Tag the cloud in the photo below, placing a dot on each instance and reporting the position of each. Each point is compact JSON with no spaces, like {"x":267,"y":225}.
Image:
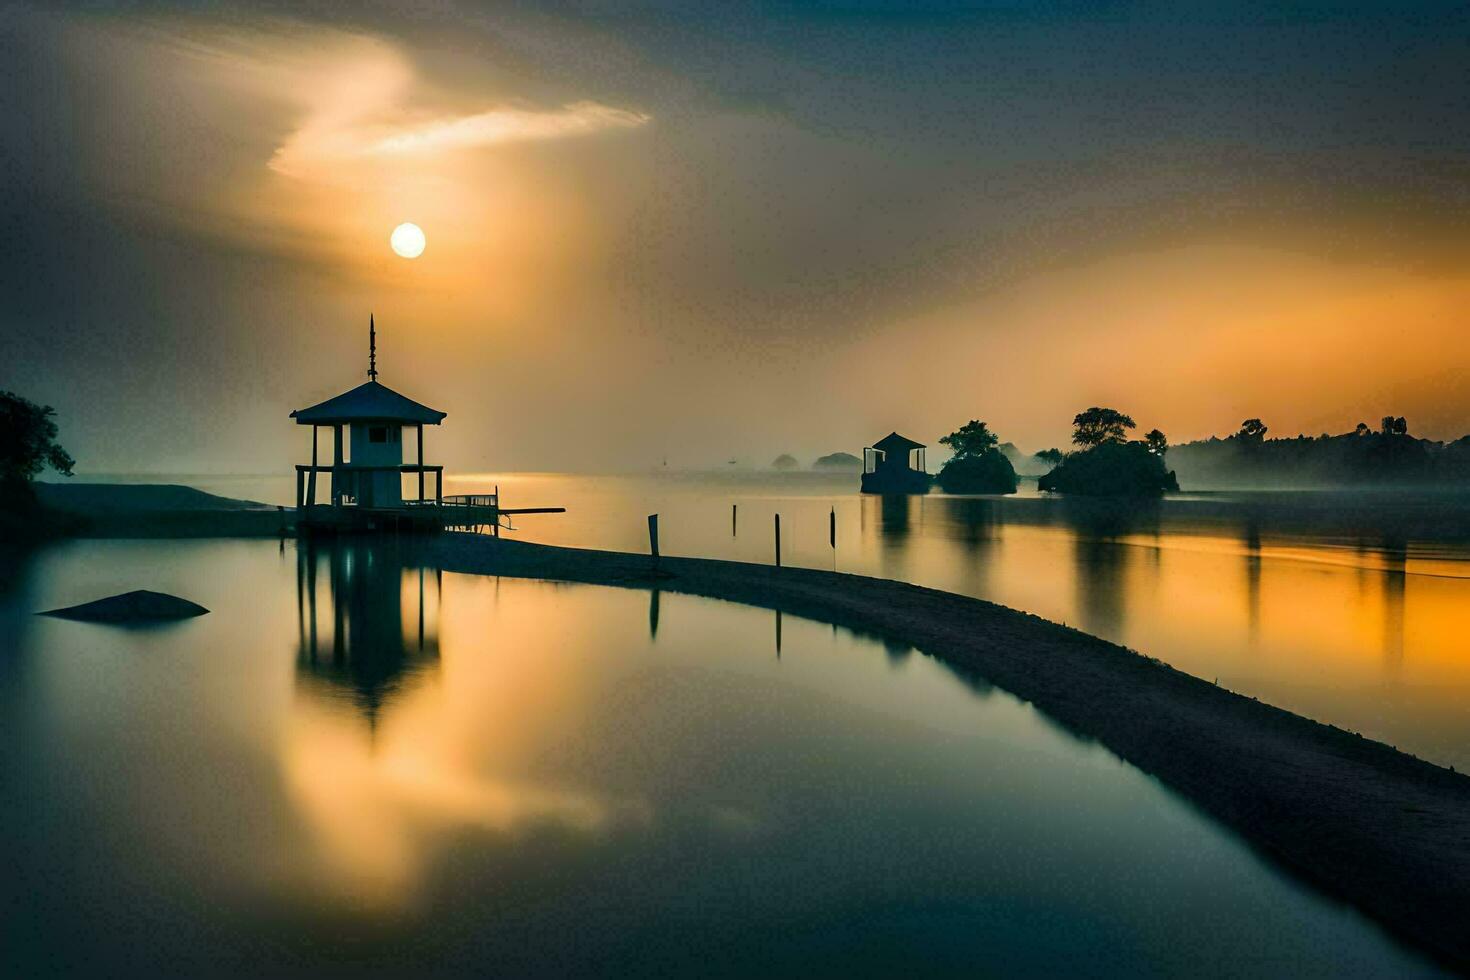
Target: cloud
{"x":508,"y":125}
{"x":371,"y":106}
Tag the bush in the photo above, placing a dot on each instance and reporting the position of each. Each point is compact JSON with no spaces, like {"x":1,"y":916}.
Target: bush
{"x":1113,"y":469}
{"x":989,"y":472}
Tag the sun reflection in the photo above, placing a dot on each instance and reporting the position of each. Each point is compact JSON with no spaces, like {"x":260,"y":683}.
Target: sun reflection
{"x":382,"y":759}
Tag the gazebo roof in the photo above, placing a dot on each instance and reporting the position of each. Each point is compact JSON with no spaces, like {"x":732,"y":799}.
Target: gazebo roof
{"x":895,"y":443}
{"x":370,"y":402}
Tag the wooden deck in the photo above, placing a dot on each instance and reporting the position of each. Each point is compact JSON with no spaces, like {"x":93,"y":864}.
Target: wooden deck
{"x":479,"y":512}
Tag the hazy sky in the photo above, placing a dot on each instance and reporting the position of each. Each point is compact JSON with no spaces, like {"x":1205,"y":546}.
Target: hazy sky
{"x":711,"y":230}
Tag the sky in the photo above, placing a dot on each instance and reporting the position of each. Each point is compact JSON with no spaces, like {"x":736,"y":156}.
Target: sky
{"x":697,"y":232}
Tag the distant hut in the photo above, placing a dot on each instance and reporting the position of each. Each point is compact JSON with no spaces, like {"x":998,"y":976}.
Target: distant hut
{"x":895,"y":464}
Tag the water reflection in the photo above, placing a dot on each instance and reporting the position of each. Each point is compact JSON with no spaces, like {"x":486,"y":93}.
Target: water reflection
{"x":545,"y":790}
{"x":1346,"y":607}
{"x":1251,"y":541}
{"x":1395,"y":552}
{"x":368,"y":651}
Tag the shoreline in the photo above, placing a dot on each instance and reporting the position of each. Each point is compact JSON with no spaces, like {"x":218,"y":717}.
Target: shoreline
{"x":1366,"y":824}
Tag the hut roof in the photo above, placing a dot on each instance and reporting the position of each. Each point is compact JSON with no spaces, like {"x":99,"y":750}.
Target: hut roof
{"x":895,"y":443}
{"x":370,"y":402}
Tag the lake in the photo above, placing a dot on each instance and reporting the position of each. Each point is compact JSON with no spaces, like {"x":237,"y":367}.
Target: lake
{"x":354,"y":766}
{"x":1344,"y":607}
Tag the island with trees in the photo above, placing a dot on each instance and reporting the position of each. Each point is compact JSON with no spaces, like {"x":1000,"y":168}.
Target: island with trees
{"x":1108,"y":463}
{"x":978,"y":465}
{"x":839,"y":462}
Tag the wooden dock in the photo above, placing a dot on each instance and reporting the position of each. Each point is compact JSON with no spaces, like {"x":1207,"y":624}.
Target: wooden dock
{"x":475,"y":512}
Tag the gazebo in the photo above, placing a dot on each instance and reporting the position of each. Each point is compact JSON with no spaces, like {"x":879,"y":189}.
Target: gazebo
{"x":895,"y":464}
{"x":367,"y":467}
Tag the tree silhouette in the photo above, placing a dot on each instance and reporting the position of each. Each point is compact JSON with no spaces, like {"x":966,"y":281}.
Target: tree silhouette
{"x":1052,"y":456}
{"x":1099,"y":425}
{"x":971,"y":440}
{"x":1391,"y":426}
{"x":28,"y":444}
{"x":1362,"y":429}
{"x":1157,"y":442}
{"x":1252,"y":430}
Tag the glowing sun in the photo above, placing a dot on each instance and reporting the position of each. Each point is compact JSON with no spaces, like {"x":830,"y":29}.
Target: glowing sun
{"x":408,"y":240}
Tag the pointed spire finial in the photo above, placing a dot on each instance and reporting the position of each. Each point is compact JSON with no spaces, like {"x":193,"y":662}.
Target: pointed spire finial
{"x":372,"y":349}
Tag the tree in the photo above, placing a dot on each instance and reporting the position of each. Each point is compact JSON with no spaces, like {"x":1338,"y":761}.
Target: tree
{"x":971,"y":441}
{"x":1391,"y":426}
{"x":28,"y":444}
{"x":1252,"y":430}
{"x":1157,"y":442}
{"x":1362,"y":429}
{"x":1111,"y":469}
{"x":1052,"y":456}
{"x":1099,"y":425}
{"x":989,"y":472}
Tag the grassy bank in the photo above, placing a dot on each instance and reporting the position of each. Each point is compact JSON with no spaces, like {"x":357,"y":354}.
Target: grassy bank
{"x":119,"y":510}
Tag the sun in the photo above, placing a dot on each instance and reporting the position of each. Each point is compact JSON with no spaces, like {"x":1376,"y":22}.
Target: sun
{"x":408,"y":240}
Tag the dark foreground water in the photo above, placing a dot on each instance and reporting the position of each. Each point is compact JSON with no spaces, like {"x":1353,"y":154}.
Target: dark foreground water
{"x":349,"y":767}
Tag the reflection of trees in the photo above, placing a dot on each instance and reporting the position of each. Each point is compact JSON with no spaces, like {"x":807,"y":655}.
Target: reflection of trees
{"x":1101,"y":569}
{"x":1251,"y":536}
{"x":1101,"y":558}
{"x":975,"y":524}
{"x":369,"y":653}
{"x":1395,"y":587}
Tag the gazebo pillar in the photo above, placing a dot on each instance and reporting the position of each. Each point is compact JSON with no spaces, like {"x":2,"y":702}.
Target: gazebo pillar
{"x":421,"y":461}
{"x":311,"y":479}
{"x":337,"y":464}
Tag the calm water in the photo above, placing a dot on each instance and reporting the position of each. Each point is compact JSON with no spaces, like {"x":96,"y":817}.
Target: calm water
{"x":354,"y":766}
{"x":1349,"y":608}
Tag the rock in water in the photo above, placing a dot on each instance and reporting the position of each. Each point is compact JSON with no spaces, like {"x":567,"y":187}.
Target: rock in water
{"x":131,"y":607}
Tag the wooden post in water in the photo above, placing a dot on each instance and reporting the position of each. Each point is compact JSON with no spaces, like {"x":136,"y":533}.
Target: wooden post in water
{"x":778,"y":540}
{"x":653,"y":538}
{"x":832,"y":535}
{"x":734,"y":514}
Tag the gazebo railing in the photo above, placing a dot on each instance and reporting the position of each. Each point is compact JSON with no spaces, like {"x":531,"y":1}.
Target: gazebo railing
{"x":345,"y":476}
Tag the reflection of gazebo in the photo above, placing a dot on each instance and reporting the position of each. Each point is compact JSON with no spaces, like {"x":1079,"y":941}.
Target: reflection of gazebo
{"x":369,"y":651}
{"x":895,"y":464}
